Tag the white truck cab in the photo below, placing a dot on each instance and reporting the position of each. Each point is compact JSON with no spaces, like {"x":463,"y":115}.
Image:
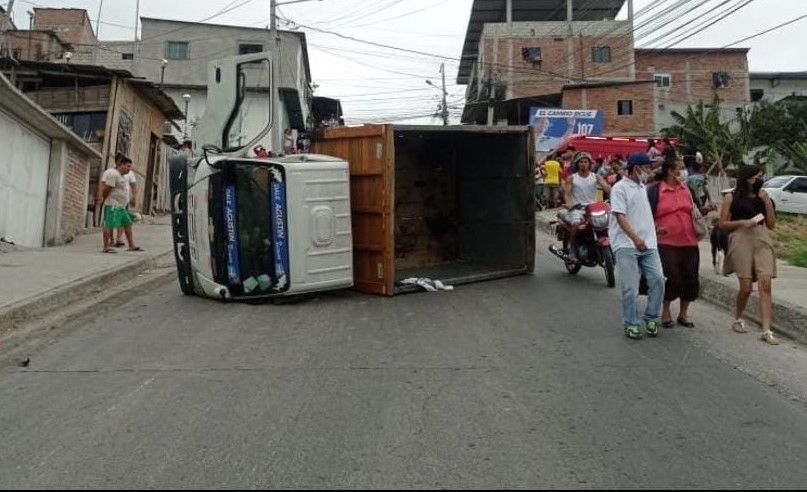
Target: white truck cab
{"x":247,"y":227}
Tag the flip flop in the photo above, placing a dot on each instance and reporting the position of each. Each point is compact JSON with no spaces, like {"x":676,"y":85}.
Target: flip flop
{"x":110,"y":250}
{"x":138,"y":248}
{"x":686,"y":323}
{"x":120,"y":244}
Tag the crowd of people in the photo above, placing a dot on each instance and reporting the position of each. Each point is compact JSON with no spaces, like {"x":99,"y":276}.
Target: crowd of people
{"x":659,"y":200}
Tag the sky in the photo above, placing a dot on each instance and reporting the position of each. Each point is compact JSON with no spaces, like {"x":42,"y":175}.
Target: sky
{"x":379,"y":84}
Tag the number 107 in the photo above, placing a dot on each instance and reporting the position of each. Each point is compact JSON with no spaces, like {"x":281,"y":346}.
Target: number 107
{"x":585,"y":128}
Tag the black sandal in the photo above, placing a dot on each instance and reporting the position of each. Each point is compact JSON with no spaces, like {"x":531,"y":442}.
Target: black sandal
{"x":685,"y":323}
{"x":668,"y":324}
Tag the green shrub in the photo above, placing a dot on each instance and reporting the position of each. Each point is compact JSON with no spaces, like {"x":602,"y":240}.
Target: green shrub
{"x":798,"y":256}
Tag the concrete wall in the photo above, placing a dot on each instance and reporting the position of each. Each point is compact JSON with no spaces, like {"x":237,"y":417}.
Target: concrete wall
{"x":775,"y":88}
{"x":46,"y":170}
{"x":206,"y":43}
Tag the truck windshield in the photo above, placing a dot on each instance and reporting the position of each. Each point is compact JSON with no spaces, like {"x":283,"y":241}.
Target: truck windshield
{"x":254,"y":219}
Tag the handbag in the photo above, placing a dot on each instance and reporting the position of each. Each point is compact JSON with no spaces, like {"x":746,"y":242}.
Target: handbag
{"x":699,"y":222}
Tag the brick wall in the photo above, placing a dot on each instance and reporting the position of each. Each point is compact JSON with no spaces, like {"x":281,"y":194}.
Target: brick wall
{"x":76,"y":192}
{"x":563,"y":57}
{"x":71,"y":25}
{"x":37,"y":45}
{"x":642,"y":121}
{"x":691,"y":74}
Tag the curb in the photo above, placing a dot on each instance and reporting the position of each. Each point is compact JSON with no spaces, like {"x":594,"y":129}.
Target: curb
{"x":788,"y":319}
{"x":39,"y":305}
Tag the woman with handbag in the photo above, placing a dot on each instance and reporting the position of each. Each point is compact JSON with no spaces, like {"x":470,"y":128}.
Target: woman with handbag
{"x":679,"y":226}
{"x":748,"y":214}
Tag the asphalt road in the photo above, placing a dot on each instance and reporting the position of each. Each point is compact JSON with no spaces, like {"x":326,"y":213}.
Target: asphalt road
{"x":521,"y":382}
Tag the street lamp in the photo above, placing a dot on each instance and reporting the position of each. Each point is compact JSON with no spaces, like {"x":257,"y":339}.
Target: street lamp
{"x":443,"y":105}
{"x":163,"y":64}
{"x":187,"y":98}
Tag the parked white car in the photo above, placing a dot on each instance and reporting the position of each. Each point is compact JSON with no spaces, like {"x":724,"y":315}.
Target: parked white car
{"x":788,"y":193}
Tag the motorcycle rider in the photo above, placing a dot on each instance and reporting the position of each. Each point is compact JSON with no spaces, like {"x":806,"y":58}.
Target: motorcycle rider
{"x":579,"y":189}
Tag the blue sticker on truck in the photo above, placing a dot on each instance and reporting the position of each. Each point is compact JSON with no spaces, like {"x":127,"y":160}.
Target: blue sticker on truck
{"x":231,"y":225}
{"x":280,"y":232}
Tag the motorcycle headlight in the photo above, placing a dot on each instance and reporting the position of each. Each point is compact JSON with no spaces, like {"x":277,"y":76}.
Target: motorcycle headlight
{"x":599,"y":220}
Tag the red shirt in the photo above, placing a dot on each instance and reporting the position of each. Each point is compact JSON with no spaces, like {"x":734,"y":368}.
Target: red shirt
{"x":674,"y":213}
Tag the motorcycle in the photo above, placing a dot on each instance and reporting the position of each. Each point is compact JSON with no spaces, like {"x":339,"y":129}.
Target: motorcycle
{"x":593,"y":246}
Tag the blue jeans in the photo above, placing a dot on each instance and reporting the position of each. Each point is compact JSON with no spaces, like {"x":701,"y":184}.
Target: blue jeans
{"x":629,"y":263}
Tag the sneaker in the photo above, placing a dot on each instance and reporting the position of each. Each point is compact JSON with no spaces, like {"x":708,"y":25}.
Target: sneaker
{"x":633,"y":332}
{"x":652,"y":328}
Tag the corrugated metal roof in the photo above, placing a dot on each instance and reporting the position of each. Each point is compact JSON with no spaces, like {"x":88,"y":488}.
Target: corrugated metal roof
{"x":493,"y":11}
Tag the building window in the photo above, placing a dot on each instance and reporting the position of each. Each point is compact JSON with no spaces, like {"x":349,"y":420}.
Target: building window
{"x":601,"y":54}
{"x":757,"y":95}
{"x":175,"y":50}
{"x":248,"y":49}
{"x":662,"y":80}
{"x":624,"y":107}
{"x":127,"y":56}
{"x":17,"y":54}
{"x":87,"y":126}
{"x":531,"y":55}
{"x":720,"y":80}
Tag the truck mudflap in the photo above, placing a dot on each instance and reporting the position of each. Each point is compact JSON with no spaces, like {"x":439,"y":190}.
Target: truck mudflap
{"x":178,"y":184}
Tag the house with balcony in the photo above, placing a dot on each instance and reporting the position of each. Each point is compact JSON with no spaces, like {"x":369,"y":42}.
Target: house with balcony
{"x":556,"y":54}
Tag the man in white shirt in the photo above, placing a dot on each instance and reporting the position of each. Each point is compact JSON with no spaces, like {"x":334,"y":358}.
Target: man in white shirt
{"x":632,"y":232}
{"x":114,"y":201}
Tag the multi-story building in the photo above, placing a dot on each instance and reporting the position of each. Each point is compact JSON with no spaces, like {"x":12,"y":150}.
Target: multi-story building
{"x":176,"y":54}
{"x":72,"y":26}
{"x":550,"y":53}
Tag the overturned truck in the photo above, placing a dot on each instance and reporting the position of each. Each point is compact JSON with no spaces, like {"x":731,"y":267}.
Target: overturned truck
{"x":450,"y":203}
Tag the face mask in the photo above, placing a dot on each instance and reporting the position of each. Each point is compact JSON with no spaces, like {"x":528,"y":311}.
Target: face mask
{"x":683,"y":175}
{"x":757,"y":185}
{"x":643,"y":176}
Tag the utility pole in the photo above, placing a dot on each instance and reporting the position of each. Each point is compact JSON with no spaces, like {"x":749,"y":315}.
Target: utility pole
{"x":274,"y":46}
{"x":277,"y":55}
{"x":30,"y":31}
{"x":445,"y":94}
{"x":444,"y":105}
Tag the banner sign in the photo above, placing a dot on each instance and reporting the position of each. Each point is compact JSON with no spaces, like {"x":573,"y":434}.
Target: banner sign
{"x":552,"y":126}
{"x":280,"y":233}
{"x":231,"y":223}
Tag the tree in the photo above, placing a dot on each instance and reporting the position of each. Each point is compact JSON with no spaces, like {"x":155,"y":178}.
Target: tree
{"x":722,"y":144}
{"x":783,"y":127}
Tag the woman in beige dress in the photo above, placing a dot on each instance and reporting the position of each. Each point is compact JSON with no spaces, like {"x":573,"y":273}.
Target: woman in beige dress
{"x":748,"y":214}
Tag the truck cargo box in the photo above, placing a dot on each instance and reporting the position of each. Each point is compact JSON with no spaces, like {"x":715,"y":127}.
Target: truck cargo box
{"x":450,"y":203}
